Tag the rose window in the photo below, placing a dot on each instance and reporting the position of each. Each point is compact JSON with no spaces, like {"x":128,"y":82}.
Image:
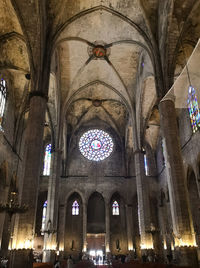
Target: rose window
{"x":96,"y":145}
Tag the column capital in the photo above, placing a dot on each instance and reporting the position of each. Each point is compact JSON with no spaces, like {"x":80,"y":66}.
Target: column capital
{"x":37,"y":93}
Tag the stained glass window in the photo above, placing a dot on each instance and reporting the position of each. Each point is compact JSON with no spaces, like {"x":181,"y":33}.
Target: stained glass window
{"x":44,"y":215}
{"x":193,"y":109}
{"x":162,"y":147}
{"x":145,"y":162}
{"x":115,"y":208}
{"x":75,"y":208}
{"x":47,"y":160}
{"x":96,"y":144}
{"x":3,"y":93}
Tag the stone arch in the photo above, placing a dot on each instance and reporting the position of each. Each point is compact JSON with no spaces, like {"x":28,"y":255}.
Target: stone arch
{"x":73,"y":238}
{"x":96,"y":213}
{"x":108,"y":10}
{"x":75,"y":190}
{"x":118,"y":227}
{"x":136,"y":231}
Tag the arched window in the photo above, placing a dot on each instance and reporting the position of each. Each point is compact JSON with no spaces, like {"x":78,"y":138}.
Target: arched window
{"x":75,"y":208}
{"x":145,"y":162}
{"x":162,"y":147}
{"x":115,"y":208}
{"x":193,"y":109}
{"x":44,"y":215}
{"x":3,"y":93}
{"x":47,"y":160}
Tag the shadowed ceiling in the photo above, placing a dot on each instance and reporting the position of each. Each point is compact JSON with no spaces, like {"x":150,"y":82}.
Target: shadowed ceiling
{"x":102,"y":55}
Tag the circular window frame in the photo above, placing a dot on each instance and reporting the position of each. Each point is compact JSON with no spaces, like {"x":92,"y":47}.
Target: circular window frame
{"x":93,"y":154}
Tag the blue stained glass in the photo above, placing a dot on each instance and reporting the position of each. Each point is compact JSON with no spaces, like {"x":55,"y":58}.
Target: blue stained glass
{"x":47,"y":160}
{"x":96,"y":144}
{"x":44,"y":215}
{"x":193,"y":109}
{"x":145,"y":164}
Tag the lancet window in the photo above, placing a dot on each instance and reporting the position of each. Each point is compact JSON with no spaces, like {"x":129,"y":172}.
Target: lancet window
{"x":115,"y":208}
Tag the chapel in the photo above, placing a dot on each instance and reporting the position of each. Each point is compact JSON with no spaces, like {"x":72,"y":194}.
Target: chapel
{"x":99,"y":130}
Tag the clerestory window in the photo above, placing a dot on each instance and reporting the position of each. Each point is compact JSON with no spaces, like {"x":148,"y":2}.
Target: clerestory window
{"x":44,"y":215}
{"x":115,"y":208}
{"x":193,"y":109}
{"x":47,"y":160}
{"x":75,"y":208}
{"x":3,"y":94}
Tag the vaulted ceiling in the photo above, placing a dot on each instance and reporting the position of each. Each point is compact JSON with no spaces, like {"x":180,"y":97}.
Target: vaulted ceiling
{"x":104,"y":55}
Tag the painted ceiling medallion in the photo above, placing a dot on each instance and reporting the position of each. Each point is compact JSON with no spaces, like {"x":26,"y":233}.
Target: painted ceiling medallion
{"x":96,"y":102}
{"x":99,"y":50}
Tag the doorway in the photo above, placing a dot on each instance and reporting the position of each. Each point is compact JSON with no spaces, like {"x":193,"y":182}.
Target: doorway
{"x":96,"y":247}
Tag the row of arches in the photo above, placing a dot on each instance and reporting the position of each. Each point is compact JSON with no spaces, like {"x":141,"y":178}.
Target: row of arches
{"x":96,"y":220}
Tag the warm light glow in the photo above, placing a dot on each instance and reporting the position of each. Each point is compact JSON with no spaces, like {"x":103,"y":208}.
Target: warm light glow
{"x":130,"y":246}
{"x":107,"y":248}
{"x":53,"y":247}
{"x":164,"y":243}
{"x":184,"y":243}
{"x":84,"y":248}
{"x":146,"y":246}
{"x":185,"y":240}
{"x":146,"y":241}
{"x":50,"y":247}
{"x":61,"y":248}
{"x":26,"y":244}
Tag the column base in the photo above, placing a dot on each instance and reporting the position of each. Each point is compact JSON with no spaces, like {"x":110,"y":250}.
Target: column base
{"x":186,"y":256}
{"x":49,"y":256}
{"x":21,"y":258}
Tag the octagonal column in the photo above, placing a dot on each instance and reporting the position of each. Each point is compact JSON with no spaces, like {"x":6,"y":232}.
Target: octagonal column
{"x":84,"y":227}
{"x":107,"y":237}
{"x":129,"y":222}
{"x":143,"y":202}
{"x":182,"y":228}
{"x":50,"y":239}
{"x":31,"y":164}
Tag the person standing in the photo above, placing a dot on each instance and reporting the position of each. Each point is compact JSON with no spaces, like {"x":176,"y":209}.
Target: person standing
{"x":70,"y":262}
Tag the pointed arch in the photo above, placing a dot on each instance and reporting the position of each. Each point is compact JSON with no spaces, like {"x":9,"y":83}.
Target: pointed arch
{"x":73,"y":223}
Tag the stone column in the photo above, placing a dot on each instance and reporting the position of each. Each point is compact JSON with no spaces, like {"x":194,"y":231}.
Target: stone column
{"x":31,"y":174}
{"x":50,"y":239}
{"x":61,"y":228}
{"x":129,"y":226}
{"x":107,"y":237}
{"x":143,"y":202}
{"x":84,"y":227}
{"x":182,"y":228}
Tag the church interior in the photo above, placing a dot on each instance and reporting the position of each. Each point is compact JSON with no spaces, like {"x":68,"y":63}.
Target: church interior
{"x":99,"y":130}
